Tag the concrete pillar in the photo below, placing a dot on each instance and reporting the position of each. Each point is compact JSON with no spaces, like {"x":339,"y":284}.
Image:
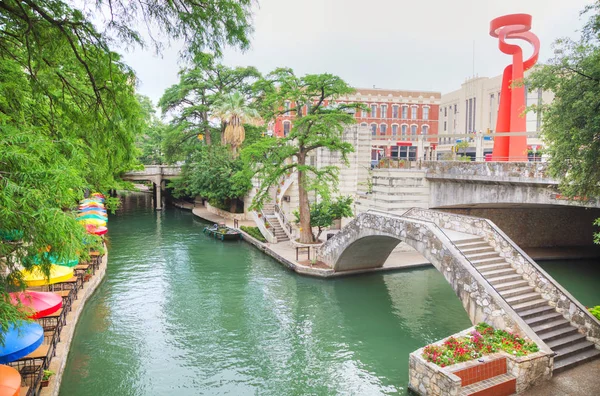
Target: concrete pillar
{"x":479,"y":147}
{"x":420,"y":148}
{"x":157,"y":195}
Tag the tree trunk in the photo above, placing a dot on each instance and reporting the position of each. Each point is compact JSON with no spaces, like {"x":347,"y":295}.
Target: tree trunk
{"x":233,"y":205}
{"x":207,"y":137}
{"x":306,"y":235}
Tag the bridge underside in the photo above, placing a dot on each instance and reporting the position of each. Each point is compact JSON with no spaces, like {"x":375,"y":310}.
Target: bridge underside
{"x":367,"y":252}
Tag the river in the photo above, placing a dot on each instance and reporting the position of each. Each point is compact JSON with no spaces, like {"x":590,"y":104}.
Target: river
{"x":180,"y":313}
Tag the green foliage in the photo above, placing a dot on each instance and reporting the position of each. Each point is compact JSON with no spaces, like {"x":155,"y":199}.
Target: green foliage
{"x":151,"y":139}
{"x":324,"y":212}
{"x":192,"y":100}
{"x":253,"y":232}
{"x":47,"y":375}
{"x":571,"y":123}
{"x":270,"y":159}
{"x":69,"y":116}
{"x":483,"y":340}
{"x":595,"y":311}
{"x":212,"y":173}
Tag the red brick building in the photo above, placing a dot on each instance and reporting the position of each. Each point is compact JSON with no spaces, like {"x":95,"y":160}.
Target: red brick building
{"x":395,"y":118}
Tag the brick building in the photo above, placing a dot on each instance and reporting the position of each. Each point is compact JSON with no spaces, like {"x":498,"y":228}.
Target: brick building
{"x":395,"y":119}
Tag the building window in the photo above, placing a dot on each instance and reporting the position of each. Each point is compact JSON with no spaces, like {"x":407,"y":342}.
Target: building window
{"x":424,"y":130}
{"x":286,"y":128}
{"x":404,"y":112}
{"x":413,"y":129}
{"x":413,"y":113}
{"x":373,"y":111}
{"x":394,"y":130}
{"x":364,"y":124}
{"x":383,"y":111}
{"x":382,"y":129}
{"x":425,"y":112}
{"x":445,"y":112}
{"x":286,"y":105}
{"x":445,"y":125}
{"x":395,"y":111}
{"x":373,"y":129}
{"x":404,"y":129}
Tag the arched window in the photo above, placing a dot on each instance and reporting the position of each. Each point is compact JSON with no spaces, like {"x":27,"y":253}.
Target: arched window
{"x":287,"y":127}
{"x":364,"y":124}
{"x":413,"y":129}
{"x":394,"y":130}
{"x":382,"y":129}
{"x":404,"y":129}
{"x":424,"y":129}
{"x":425,"y":112}
{"x":383,"y":111}
{"x":373,"y":111}
{"x":404,"y":112}
{"x":373,"y":129}
{"x":395,"y":111}
{"x":413,"y":113}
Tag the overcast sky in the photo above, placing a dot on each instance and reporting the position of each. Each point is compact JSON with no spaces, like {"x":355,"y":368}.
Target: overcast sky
{"x":397,"y":44}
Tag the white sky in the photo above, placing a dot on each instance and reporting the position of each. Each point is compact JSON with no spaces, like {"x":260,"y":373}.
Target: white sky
{"x":398,"y":44}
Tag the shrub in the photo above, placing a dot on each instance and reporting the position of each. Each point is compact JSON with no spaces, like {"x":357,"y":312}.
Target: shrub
{"x":483,"y":340}
{"x":595,"y":311}
{"x":253,"y":232}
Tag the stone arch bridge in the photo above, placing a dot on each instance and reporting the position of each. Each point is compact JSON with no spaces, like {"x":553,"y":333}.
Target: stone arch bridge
{"x":155,"y":174}
{"x":495,"y":280}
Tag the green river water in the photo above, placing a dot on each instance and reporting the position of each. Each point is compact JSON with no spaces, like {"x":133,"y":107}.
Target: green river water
{"x":180,"y":313}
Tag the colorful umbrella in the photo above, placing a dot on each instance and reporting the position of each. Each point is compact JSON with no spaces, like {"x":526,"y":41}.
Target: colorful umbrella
{"x":21,"y":341}
{"x":10,"y":381}
{"x":11,"y":235}
{"x":92,"y":209}
{"x":40,"y":304}
{"x":96,"y":222}
{"x":91,"y":216}
{"x":54,"y":260}
{"x":92,"y":229}
{"x":58,"y":273}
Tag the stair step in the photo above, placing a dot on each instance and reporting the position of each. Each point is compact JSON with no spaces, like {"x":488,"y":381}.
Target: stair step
{"x":536,"y":320}
{"x":523,"y":298}
{"x":535,"y":312}
{"x":471,"y":245}
{"x":511,"y":285}
{"x":495,"y":260}
{"x":575,"y":360}
{"x":478,"y":250}
{"x":496,"y":280}
{"x":481,"y":256}
{"x":492,"y":386}
{"x":569,"y":350}
{"x":558,"y":333}
{"x":516,"y":291}
{"x":500,"y":272}
{"x":466,"y":242}
{"x":490,"y":267}
{"x":530,"y":305}
{"x":564,"y":341}
{"x":550,"y":326}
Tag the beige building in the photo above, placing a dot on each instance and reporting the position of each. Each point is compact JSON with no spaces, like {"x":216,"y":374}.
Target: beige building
{"x":474,"y":108}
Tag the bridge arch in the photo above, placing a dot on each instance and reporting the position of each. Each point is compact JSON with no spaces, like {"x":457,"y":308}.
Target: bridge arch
{"x":369,"y":239}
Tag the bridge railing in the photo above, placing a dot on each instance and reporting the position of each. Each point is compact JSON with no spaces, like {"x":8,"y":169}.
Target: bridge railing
{"x":506,"y":306}
{"x":550,"y":289}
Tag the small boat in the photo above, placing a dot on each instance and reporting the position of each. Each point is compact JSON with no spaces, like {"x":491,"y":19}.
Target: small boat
{"x":222,"y":232}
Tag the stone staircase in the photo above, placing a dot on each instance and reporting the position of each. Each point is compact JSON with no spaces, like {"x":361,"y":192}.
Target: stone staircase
{"x":269,"y":212}
{"x":571,"y":347}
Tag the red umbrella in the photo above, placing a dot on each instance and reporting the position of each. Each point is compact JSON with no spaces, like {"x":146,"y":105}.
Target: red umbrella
{"x":92,"y":229}
{"x":40,"y":303}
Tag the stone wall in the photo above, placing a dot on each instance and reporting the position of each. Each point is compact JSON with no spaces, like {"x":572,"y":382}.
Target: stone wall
{"x":225,"y":214}
{"x":426,"y":378}
{"x":541,"y":227}
{"x":551,"y":290}
{"x":500,"y":171}
{"x":370,"y":238}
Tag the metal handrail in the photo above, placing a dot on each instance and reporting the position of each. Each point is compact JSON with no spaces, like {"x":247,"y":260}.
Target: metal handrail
{"x":286,"y":222}
{"x":266,"y":221}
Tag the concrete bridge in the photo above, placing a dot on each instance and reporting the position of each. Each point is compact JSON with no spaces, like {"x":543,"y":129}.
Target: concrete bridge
{"x":155,"y":174}
{"x":495,"y":280}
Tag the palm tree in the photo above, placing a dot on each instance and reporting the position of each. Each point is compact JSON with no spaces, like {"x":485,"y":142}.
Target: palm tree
{"x":234,"y":112}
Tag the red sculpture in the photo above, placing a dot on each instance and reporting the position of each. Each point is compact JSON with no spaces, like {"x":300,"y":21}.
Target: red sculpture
{"x":511,"y":117}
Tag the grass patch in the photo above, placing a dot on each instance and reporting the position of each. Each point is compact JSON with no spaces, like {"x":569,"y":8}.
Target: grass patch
{"x":253,"y":232}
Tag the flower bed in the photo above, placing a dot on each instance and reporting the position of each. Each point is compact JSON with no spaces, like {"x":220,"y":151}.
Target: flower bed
{"x":483,"y":340}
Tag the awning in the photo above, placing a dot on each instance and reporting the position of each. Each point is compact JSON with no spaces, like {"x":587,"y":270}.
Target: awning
{"x":58,"y":274}
{"x":10,"y":381}
{"x":404,"y":144}
{"x":21,"y":341}
{"x":39,"y":304}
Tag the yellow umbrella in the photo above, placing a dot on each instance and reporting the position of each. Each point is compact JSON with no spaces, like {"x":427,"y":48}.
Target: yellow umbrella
{"x":58,"y":273}
{"x":96,"y":222}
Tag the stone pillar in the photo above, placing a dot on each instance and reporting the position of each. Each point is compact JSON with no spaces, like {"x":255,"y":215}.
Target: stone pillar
{"x":420,"y":148}
{"x":479,"y":147}
{"x":157,"y":195}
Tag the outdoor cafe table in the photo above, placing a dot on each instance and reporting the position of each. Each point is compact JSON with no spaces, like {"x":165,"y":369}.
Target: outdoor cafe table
{"x":50,"y":322}
{"x":67,"y":296}
{"x":30,"y":367}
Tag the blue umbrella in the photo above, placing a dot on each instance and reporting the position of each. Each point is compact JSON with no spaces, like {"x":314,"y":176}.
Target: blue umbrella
{"x":21,"y":341}
{"x":92,"y":208}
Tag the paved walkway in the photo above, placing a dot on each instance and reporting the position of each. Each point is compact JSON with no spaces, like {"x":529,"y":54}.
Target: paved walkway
{"x":582,"y":380}
{"x":203,"y":213}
